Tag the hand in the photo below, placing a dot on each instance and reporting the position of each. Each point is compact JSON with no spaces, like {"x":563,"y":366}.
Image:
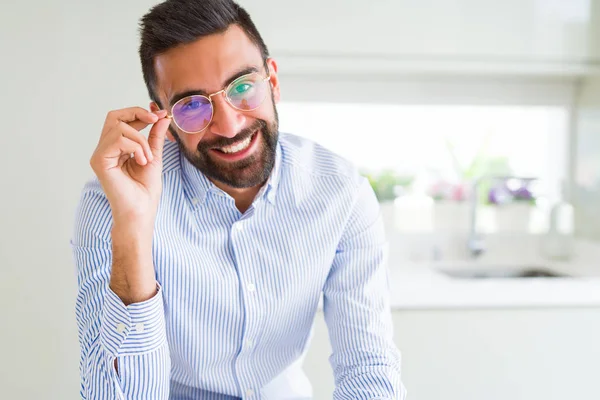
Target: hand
{"x":132,"y":185}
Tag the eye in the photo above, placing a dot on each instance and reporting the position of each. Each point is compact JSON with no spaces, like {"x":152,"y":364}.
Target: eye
{"x":242,"y":88}
{"x":191,"y":105}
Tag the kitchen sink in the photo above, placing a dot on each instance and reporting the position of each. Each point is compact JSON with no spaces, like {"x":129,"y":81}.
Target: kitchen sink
{"x":508,"y":273}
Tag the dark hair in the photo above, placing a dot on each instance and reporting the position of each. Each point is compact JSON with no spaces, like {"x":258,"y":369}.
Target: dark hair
{"x":176,"y":22}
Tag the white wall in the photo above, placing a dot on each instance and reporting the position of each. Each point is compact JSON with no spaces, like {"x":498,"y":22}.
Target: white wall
{"x":407,"y":35}
{"x":530,"y":29}
{"x":64,"y":65}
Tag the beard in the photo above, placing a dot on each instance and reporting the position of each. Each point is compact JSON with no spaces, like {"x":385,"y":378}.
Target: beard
{"x":249,"y":172}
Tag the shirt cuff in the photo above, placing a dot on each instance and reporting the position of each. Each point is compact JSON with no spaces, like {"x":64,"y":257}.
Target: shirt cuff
{"x":135,"y":329}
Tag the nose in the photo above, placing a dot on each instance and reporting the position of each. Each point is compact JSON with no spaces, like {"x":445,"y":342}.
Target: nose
{"x":227,"y":121}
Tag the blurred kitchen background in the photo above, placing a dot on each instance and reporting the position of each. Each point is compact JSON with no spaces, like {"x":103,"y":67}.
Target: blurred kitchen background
{"x":476,"y":121}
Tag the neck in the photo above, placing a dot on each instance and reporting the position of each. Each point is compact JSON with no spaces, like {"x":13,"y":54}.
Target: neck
{"x":243,"y":197}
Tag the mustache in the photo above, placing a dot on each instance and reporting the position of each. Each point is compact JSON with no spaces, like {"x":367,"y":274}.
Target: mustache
{"x":241,"y":135}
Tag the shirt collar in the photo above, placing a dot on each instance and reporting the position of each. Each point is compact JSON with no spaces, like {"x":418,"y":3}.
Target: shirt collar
{"x":270,"y":188}
{"x":197,"y":185}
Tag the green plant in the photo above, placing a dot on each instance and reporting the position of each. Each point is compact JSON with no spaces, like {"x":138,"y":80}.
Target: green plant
{"x":481,"y":166}
{"x":384,"y":183}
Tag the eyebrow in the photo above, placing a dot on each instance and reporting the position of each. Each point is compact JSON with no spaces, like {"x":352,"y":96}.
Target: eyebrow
{"x":178,"y":96}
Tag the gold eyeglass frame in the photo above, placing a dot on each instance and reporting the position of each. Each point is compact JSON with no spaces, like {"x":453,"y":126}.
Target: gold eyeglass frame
{"x":227,"y":99}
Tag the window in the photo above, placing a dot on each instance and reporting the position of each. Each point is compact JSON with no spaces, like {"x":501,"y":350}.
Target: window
{"x":420,"y":147}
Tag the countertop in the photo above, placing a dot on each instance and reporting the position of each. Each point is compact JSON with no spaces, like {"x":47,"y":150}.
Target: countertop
{"x":421,"y":286}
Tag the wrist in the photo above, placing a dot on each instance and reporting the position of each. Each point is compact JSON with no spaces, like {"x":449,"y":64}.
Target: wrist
{"x":133,"y":231}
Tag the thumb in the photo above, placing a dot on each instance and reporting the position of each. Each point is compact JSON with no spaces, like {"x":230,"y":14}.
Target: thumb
{"x":156,"y":137}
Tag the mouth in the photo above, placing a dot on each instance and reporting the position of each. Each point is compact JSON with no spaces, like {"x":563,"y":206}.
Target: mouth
{"x":238,"y":150}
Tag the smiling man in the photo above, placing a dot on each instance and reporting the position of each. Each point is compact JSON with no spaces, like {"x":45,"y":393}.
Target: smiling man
{"x":202,"y":258}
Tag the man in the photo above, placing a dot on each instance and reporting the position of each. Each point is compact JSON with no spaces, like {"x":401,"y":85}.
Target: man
{"x":202,"y":259}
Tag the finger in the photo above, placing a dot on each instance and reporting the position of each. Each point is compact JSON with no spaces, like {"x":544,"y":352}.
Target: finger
{"x":130,"y":132}
{"x":123,"y":158}
{"x":139,"y":125}
{"x":132,"y":114}
{"x":109,"y":155}
{"x":156,"y":137}
{"x":128,"y":146}
{"x":137,"y":115}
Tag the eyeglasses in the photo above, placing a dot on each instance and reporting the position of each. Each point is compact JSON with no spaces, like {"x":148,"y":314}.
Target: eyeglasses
{"x":194,"y":113}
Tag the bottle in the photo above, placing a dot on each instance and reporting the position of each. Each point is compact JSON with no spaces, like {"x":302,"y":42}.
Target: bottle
{"x":413,"y":211}
{"x":558,"y":241}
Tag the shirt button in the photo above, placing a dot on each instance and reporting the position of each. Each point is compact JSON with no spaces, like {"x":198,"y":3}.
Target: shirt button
{"x":249,"y":392}
{"x":139,"y":327}
{"x":121,"y":328}
{"x":239,"y":227}
{"x":249,"y":344}
{"x":195,"y":201}
{"x":251,"y":287}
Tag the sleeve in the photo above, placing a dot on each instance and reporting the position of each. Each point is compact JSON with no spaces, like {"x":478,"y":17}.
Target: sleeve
{"x":133,"y":335}
{"x":365,"y":360}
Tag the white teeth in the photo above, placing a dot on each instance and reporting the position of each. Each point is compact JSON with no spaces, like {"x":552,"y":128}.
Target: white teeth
{"x":237,"y":147}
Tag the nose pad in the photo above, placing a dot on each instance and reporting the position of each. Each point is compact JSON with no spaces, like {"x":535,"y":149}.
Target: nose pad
{"x":227,"y":121}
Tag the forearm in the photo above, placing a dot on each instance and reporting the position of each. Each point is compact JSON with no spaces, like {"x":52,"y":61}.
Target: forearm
{"x":144,"y":376}
{"x":365,"y":360}
{"x":135,"y":338}
{"x":132,"y":275}
{"x":127,"y":331}
{"x":111,"y":334}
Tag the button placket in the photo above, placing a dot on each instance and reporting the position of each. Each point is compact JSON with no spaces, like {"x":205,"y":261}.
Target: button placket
{"x":250,"y":290}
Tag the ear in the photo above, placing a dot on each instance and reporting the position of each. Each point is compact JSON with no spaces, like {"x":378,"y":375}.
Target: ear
{"x":154,"y":107}
{"x":272,"y":64}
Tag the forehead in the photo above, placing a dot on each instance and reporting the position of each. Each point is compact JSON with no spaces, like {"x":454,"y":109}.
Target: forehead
{"x":206,"y":63}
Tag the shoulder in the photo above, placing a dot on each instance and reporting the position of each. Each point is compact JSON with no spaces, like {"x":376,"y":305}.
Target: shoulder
{"x":171,"y":157}
{"x":307,"y":157}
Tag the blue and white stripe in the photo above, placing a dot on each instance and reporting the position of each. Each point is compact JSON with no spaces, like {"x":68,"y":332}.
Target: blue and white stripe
{"x":237,"y":294}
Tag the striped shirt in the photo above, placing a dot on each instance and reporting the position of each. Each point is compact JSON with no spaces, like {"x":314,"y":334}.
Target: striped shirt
{"x":237,"y":294}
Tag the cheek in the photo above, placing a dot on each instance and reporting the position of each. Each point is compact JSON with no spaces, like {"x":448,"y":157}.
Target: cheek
{"x":190,"y":141}
{"x":265,"y":112}
{"x":193,"y":140}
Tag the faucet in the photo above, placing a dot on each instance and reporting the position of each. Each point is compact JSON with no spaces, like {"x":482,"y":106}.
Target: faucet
{"x":475,"y":242}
